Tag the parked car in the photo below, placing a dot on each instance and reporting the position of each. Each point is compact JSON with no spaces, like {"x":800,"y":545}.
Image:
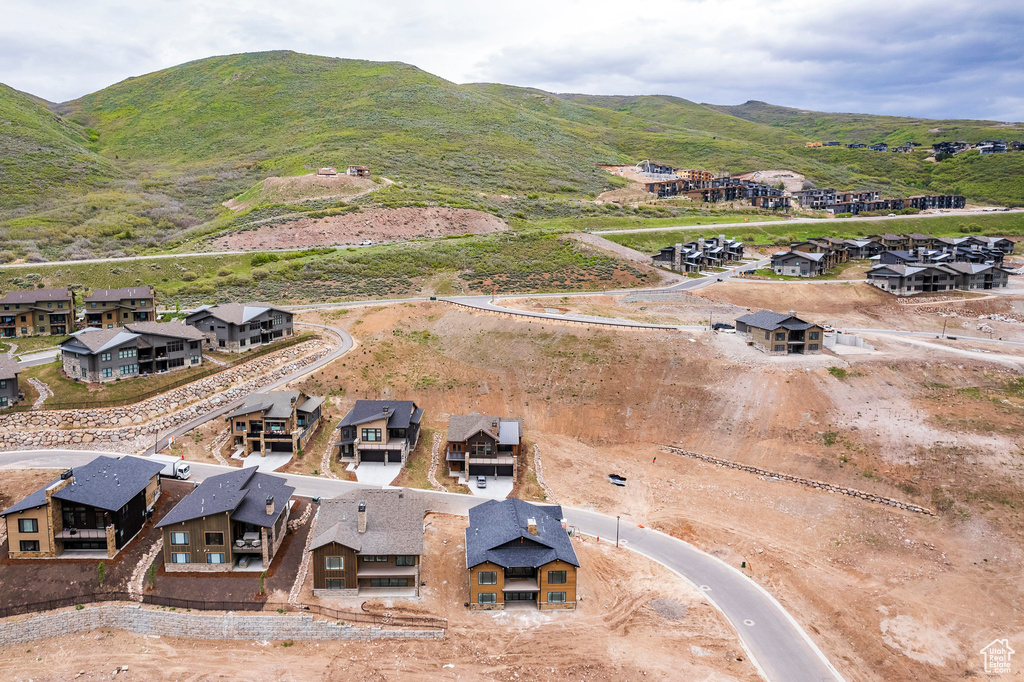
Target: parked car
{"x":481,"y":481}
{"x":722,"y":325}
{"x":366,"y":242}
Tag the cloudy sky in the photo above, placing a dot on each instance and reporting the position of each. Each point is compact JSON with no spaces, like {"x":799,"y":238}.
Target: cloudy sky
{"x":935,"y":58}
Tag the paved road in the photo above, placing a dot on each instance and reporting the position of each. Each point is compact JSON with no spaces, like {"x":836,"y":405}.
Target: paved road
{"x":776,"y":644}
{"x":41,"y":358}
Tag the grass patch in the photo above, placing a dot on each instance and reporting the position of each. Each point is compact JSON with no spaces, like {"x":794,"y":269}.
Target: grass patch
{"x":414,"y":473}
{"x":837,"y":372}
{"x":31,"y":344}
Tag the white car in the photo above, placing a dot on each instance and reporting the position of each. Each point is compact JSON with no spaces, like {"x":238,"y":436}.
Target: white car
{"x":366,"y":242}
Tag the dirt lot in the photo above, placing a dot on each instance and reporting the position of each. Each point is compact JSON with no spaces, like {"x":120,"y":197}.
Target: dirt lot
{"x":375,"y":224}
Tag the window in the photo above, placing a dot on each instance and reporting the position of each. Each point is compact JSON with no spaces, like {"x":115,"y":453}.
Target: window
{"x":335,"y":584}
{"x":28,"y":525}
{"x":108,"y":372}
{"x":215,"y":558}
{"x":253,"y":340}
{"x":127,"y":353}
{"x":368,"y":559}
{"x":767,"y":336}
{"x":179,"y":538}
{"x":371,"y":435}
{"x":780,"y":349}
{"x":221,"y":343}
{"x":176,"y":362}
{"x":129,"y":369}
{"x":104,"y":357}
{"x":556,"y":577}
{"x":3,"y":384}
{"x":3,"y":401}
{"x":812,"y":346}
{"x":179,"y":558}
{"x":241,"y":342}
{"x":780,"y":336}
{"x":556,"y":597}
{"x":487,"y":578}
{"x":814,"y":336}
{"x":29,"y":545}
{"x":389,"y":582}
{"x":176,"y":346}
{"x":334,"y":563}
{"x":193,"y":345}
{"x":487,"y":598}
{"x":406,"y":560}
{"x":215,"y":538}
{"x":195,"y":359}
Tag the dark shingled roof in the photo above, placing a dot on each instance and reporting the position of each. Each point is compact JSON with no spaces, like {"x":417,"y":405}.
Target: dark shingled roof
{"x":243,"y":493}
{"x":9,"y":367}
{"x":766,"y":319}
{"x":401,"y":413}
{"x":394,"y":522}
{"x":110,"y":295}
{"x":236,"y":313}
{"x":106,"y":482}
{"x":36,"y":295}
{"x":177,"y":330}
{"x":498,"y":533}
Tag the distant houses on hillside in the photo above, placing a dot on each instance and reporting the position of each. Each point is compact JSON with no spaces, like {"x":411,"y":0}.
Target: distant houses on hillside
{"x":699,"y":255}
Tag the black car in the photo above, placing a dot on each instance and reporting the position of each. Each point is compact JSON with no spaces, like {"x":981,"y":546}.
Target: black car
{"x":722,"y":325}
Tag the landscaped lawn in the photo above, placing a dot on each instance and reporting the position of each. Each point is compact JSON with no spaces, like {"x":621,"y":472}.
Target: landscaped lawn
{"x":29,"y":344}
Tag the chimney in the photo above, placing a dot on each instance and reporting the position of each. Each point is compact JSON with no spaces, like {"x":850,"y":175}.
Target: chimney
{"x":531,"y":526}
{"x":494,"y":423}
{"x":270,"y":505}
{"x":792,"y":313}
{"x":362,"y":516}
{"x":386,"y":410}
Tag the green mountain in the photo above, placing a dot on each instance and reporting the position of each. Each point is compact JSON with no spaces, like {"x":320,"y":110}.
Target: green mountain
{"x":133,"y":166}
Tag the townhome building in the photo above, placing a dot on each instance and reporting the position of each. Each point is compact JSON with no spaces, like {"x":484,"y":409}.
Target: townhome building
{"x":906,"y":280}
{"x":10,"y":391}
{"x":368,"y":543}
{"x":237,"y":327}
{"x":136,"y":349}
{"x":230,"y":522}
{"x":799,"y":263}
{"x":89,"y":511}
{"x":520,"y":552}
{"x":37,"y":312}
{"x":379,"y":431}
{"x":482,"y":445}
{"x":109,"y":308}
{"x":275,"y":421}
{"x":781,"y":333}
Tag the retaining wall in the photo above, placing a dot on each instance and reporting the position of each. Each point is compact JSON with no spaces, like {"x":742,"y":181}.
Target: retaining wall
{"x":145,"y":621}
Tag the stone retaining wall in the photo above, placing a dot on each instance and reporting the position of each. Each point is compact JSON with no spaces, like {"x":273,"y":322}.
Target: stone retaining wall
{"x":820,"y":485}
{"x":146,"y":621}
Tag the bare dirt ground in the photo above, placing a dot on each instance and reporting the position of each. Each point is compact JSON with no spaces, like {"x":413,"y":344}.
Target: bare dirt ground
{"x":375,"y":224}
{"x":300,"y":187}
{"x":793,"y":181}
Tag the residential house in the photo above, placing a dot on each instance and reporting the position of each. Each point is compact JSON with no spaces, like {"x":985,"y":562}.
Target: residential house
{"x":368,"y":542}
{"x":94,"y":509}
{"x":880,"y":147}
{"x":327,"y":171}
{"x":109,"y":308}
{"x":231,"y":521}
{"x":906,"y":280}
{"x":834,"y":252}
{"x":237,"y":327}
{"x":679,"y":257}
{"x":799,"y":263}
{"x":917,"y":240}
{"x":276,"y":421}
{"x":519,"y":552}
{"x":37,"y":311}
{"x":10,"y":393}
{"x":897,"y":258}
{"x":859,"y":249}
{"x":359,"y":171}
{"x":971,"y":276}
{"x":139,"y":348}
{"x":379,"y":431}
{"x":482,"y":445}
{"x":892,"y":242}
{"x":781,"y":333}
{"x":936,"y":201}
{"x":817,"y":199}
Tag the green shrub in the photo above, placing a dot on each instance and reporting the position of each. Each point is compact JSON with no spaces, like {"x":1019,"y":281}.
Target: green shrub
{"x":837,"y":372}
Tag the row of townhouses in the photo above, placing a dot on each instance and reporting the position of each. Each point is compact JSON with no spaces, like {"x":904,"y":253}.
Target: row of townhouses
{"x":827,"y":199}
{"x":699,"y":255}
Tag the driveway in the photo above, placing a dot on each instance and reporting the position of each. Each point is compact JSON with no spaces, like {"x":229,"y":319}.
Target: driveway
{"x":377,"y":474}
{"x":498,"y":487}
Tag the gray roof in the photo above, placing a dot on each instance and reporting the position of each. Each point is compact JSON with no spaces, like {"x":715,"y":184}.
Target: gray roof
{"x":461,"y":427}
{"x":766,"y":319}
{"x":97,"y":340}
{"x":783,"y":255}
{"x":9,"y":367}
{"x":401,"y":413}
{"x":242,"y":493}
{"x":36,"y":295}
{"x":498,"y":532}
{"x":237,"y":313}
{"x":276,"y":404}
{"x":109,"y":295}
{"x":905,"y":255}
{"x":394,"y":522}
{"x":106,"y":482}
{"x":178,"y":330}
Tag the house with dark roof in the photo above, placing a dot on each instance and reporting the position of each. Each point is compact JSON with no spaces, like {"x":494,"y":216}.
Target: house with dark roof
{"x":10,"y":392}
{"x":237,"y":327}
{"x":908,"y":280}
{"x":368,"y":542}
{"x":482,"y":445}
{"x":109,"y":308}
{"x":519,"y":552}
{"x":37,"y":311}
{"x":799,"y":263}
{"x":781,"y":333}
{"x":89,"y":511}
{"x":231,"y":521}
{"x":897,"y":258}
{"x":136,"y":349}
{"x":379,"y":431}
{"x":275,"y":421}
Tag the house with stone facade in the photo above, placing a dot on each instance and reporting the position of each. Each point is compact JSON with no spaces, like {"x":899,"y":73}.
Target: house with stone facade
{"x":89,"y":511}
{"x":109,"y":308}
{"x":781,"y":333}
{"x":368,"y":542}
{"x":232,"y":521}
{"x":519,"y":552}
{"x":136,"y":349}
{"x":275,"y":421}
{"x":37,"y":312}
{"x":379,"y":431}
{"x":10,"y":392}
{"x":238,"y":327}
{"x":482,"y":445}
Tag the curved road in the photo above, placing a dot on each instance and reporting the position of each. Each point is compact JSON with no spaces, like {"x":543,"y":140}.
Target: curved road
{"x":775,"y":643}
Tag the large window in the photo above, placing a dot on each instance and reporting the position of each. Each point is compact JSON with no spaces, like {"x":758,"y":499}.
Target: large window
{"x":556,"y":597}
{"x":371,"y":435}
{"x":176,"y":362}
{"x":389,"y":582}
{"x":215,"y":558}
{"x":335,"y":584}
{"x":780,"y":349}
{"x":28,"y":525}
{"x":215,"y":538}
{"x":814,"y":336}
{"x":487,"y":598}
{"x":556,"y":577}
{"x":29,"y":545}
{"x":812,"y":346}
{"x":179,"y":538}
{"x":179,"y":558}
{"x":405,"y":560}
{"x":334,"y":563}
{"x":780,"y":336}
{"x":487,"y":578}
{"x":368,"y":559}
{"x":104,"y":357}
{"x":108,"y":372}
{"x":127,"y":353}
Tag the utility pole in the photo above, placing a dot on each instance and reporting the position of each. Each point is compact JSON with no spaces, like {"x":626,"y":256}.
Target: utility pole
{"x":944,"y":327}
{"x":616,"y":532}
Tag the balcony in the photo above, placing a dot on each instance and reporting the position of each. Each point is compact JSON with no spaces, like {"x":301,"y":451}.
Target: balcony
{"x":520,"y":585}
{"x":499,"y":459}
{"x":369,"y":570}
{"x":455,"y":456}
{"x":81,"y":534}
{"x":392,"y":444}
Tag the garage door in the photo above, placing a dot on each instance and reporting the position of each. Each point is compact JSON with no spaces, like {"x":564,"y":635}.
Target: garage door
{"x":481,"y":469}
{"x":281,"y":446}
{"x":505,"y":470}
{"x":372,"y":456}
{"x":394,"y":455}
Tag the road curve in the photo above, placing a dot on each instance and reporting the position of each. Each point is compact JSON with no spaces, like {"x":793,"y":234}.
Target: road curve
{"x":776,"y":644}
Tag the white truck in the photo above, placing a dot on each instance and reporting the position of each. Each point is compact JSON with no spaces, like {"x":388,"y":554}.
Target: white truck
{"x":174,"y":467}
